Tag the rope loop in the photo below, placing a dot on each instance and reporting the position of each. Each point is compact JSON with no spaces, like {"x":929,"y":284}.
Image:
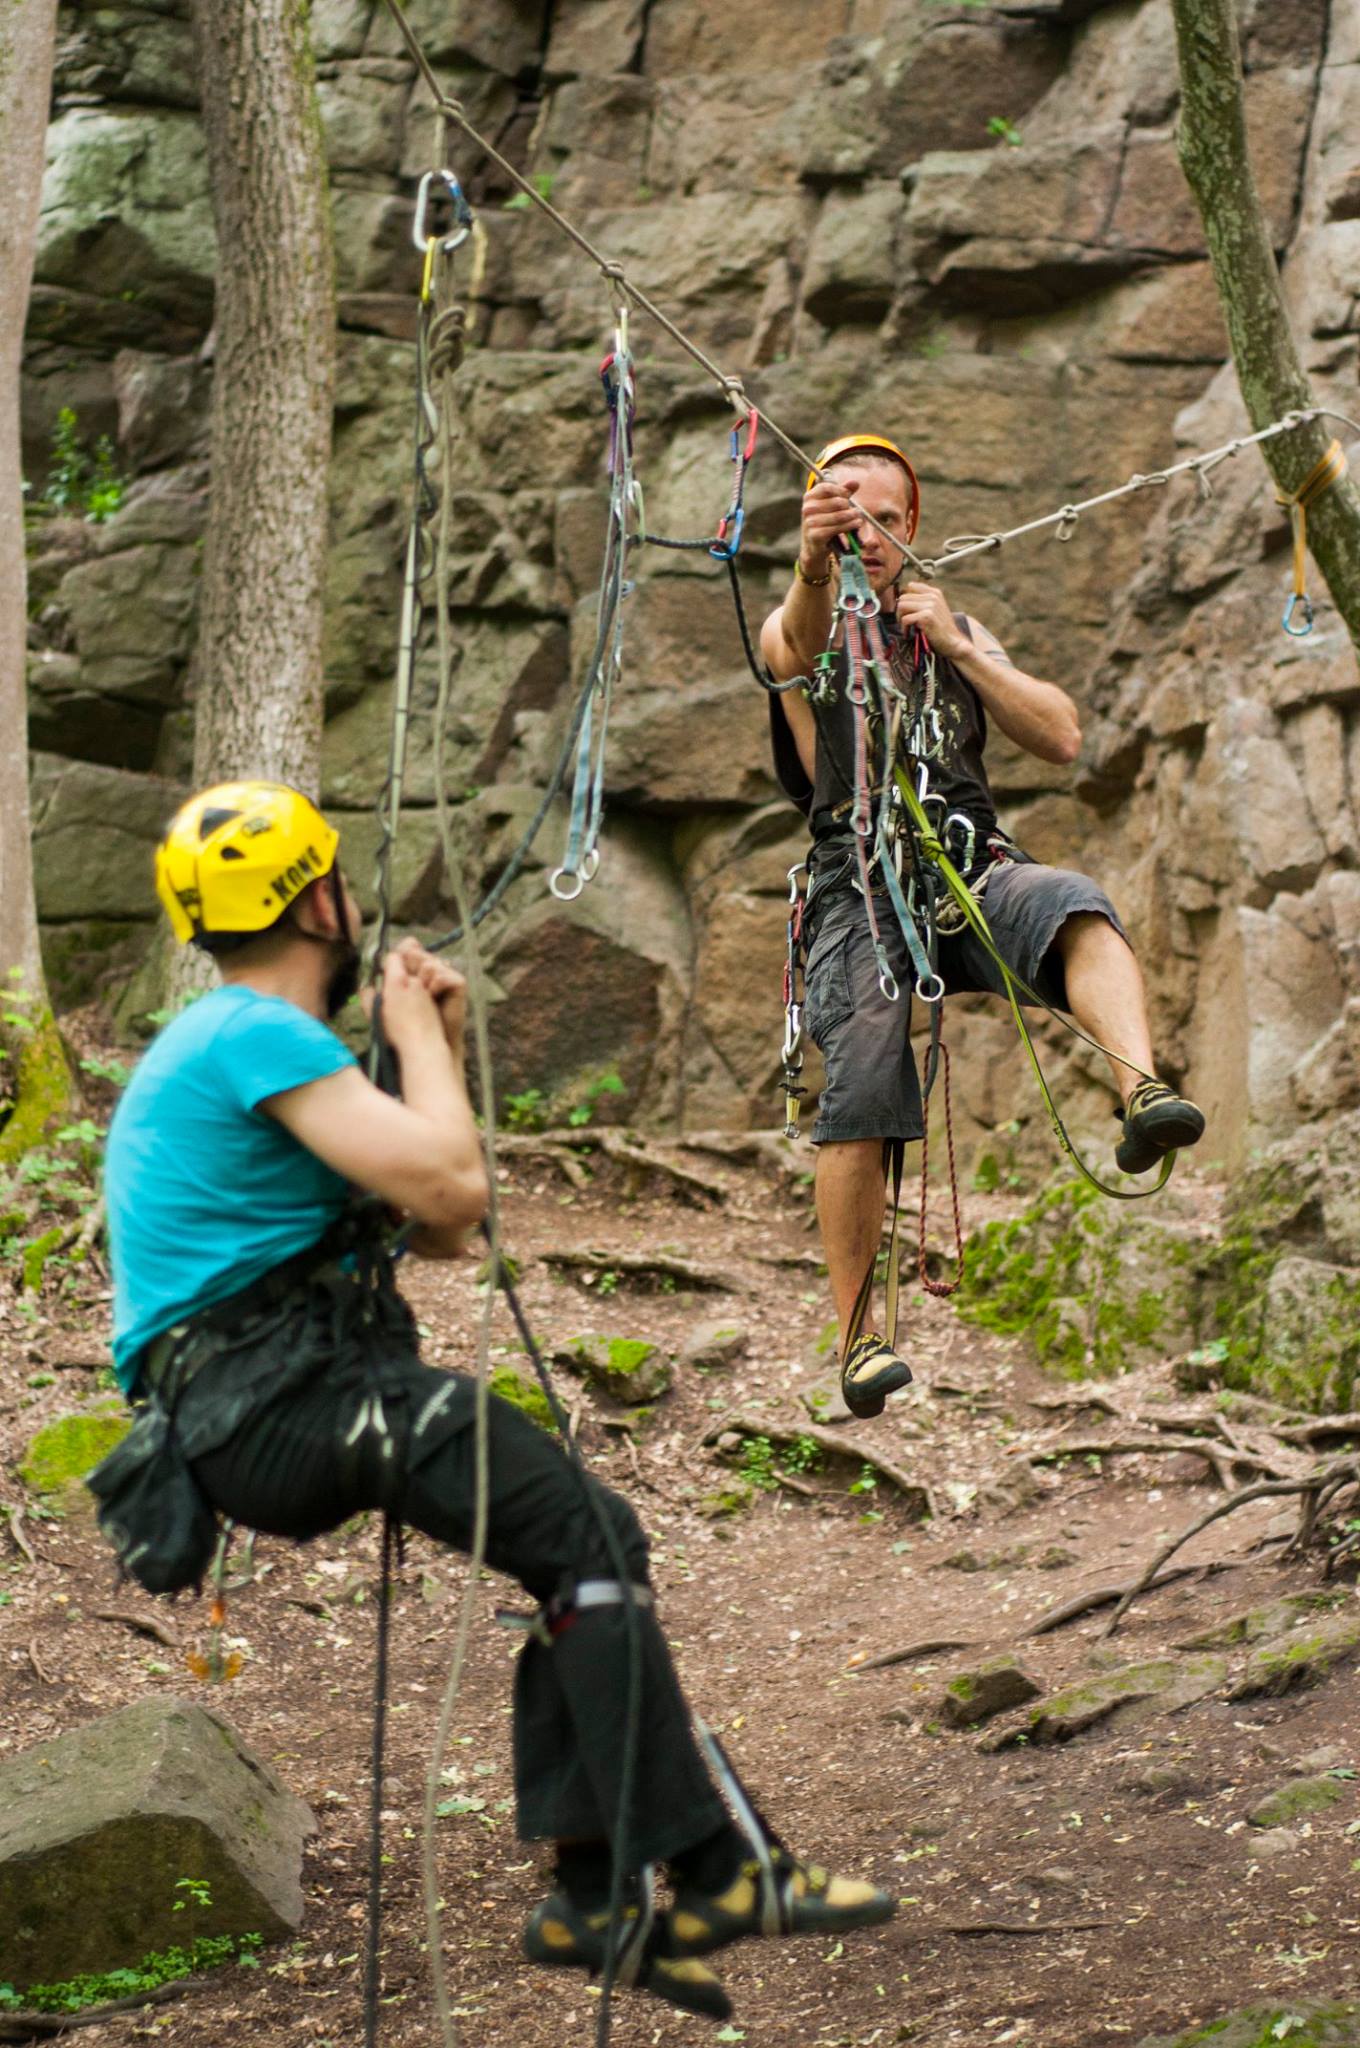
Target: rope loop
{"x":1067,"y":522}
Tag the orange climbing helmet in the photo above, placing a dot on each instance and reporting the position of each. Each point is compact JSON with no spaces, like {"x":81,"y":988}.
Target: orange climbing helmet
{"x":873,"y":444}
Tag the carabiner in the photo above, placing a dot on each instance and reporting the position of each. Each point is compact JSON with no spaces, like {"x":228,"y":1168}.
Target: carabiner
{"x":462,"y":212}
{"x":1298,"y":632}
{"x":724,"y":549}
{"x":791,"y":878}
{"x":793,"y":1033}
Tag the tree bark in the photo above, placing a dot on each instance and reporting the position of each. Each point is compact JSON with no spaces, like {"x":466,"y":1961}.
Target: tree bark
{"x":1212,"y":143}
{"x":258,"y":664}
{"x":33,"y":1078}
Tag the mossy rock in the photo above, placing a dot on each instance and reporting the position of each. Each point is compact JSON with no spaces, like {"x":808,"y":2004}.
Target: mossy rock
{"x":1302,"y":1658}
{"x":65,"y":1449}
{"x":525,"y":1394}
{"x":1295,"y":1801}
{"x":972,"y":1697}
{"x":733,"y":1499}
{"x":629,"y":1369}
{"x":1095,"y":1291}
{"x":1126,"y":1697}
{"x":1270,"y":2026}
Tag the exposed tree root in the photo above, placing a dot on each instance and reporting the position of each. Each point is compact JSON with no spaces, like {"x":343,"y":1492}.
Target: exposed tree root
{"x":1314,"y":1490}
{"x":653,"y":1266}
{"x":36,"y":2026}
{"x":562,"y":1148}
{"x":1104,"y":1596}
{"x":914,"y":1491}
{"x":964,"y":1928}
{"x":140,"y":1624}
{"x":929,"y":1646}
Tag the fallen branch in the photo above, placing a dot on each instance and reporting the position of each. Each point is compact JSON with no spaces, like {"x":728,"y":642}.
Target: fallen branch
{"x":140,"y":1624}
{"x":1318,"y":1428}
{"x":833,"y":1440}
{"x":39,"y":1667}
{"x":930,"y":1646}
{"x":643,"y":1266}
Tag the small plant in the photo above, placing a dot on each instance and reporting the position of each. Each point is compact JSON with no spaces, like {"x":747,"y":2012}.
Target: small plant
{"x":527,"y":1111}
{"x":867,"y":1481}
{"x":757,"y":1463}
{"x":107,"y":1070}
{"x":80,"y":479}
{"x":604,"y":1084}
{"x":804,"y":1454}
{"x":608,"y":1282}
{"x":1004,"y":130}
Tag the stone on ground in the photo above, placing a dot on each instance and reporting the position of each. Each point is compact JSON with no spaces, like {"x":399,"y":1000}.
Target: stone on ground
{"x":1302,"y":1657}
{"x":1301,"y":1796}
{"x":98,"y":1826}
{"x":974,"y":1696}
{"x":714,"y":1344}
{"x":629,"y":1369}
{"x":1127,"y":1697}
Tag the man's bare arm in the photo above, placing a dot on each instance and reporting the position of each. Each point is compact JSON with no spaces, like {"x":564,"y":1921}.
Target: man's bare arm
{"x":1037,"y":715}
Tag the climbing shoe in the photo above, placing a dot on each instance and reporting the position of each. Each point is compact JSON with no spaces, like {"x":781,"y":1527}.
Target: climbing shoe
{"x":872,"y":1370}
{"x":560,"y":1932}
{"x":1156,"y":1121}
{"x":773,"y":1895}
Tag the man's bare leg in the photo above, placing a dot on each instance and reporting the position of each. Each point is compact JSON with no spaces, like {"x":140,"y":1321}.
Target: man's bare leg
{"x":850,"y":1193}
{"x":850,"y":1211}
{"x":1105,"y":993}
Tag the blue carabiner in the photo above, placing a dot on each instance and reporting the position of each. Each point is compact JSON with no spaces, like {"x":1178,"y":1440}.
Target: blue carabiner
{"x":724,"y":548}
{"x":1298,"y":632}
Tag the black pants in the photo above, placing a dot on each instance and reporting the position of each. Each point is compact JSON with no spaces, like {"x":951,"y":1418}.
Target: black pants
{"x":326,"y":1409}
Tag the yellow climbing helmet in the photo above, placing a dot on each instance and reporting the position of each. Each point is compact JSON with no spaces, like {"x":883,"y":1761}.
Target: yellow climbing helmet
{"x":236,"y":855}
{"x":849,"y":443}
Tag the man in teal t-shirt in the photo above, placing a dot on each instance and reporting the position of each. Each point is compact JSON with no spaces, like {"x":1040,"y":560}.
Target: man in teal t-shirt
{"x":252,"y":1307}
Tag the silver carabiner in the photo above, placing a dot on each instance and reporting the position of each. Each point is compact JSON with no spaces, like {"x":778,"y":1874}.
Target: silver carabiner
{"x":462,"y":212}
{"x":793,"y":1033}
{"x":791,"y":878}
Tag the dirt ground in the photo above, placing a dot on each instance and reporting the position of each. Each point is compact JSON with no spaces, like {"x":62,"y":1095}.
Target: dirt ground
{"x":1132,"y":1905}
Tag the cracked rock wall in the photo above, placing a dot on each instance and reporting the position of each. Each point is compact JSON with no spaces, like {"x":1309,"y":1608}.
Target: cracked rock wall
{"x":963,"y":226}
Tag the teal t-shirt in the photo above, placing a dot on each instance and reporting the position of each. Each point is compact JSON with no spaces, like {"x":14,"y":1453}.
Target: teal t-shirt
{"x":204,"y":1190}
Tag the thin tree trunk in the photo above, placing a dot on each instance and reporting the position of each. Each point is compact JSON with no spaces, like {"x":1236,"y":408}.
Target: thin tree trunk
{"x":33,"y":1080}
{"x":1212,"y":143}
{"x":258,"y":666}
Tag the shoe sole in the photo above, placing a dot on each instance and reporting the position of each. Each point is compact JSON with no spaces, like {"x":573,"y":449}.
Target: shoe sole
{"x":867,"y":1401}
{"x":1158,"y":1135}
{"x":707,"y":2001}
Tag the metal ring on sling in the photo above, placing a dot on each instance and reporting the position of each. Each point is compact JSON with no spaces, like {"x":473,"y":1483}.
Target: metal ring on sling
{"x":926,"y":992}
{"x":887,"y":985}
{"x":565,"y":895}
{"x":590,"y":864}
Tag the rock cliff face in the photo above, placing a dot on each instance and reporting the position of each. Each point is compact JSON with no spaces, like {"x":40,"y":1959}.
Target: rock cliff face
{"x":960,"y":225}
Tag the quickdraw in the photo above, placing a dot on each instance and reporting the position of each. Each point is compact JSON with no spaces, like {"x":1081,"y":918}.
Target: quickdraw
{"x":791,"y":1053}
{"x":581,"y":860}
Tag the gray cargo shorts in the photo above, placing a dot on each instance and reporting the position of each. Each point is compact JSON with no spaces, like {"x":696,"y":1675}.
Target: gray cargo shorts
{"x":872,"y":1088}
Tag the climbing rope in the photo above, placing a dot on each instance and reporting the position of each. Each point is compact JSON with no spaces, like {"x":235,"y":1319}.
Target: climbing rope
{"x":432,"y":504}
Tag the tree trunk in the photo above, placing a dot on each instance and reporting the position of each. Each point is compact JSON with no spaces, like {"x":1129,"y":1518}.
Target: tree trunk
{"x":1212,"y":143}
{"x":33,"y":1077}
{"x":258,"y":665}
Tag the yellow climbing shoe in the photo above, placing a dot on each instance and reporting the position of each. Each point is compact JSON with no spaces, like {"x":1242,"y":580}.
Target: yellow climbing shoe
{"x":872,"y":1370}
{"x":563,"y":1934}
{"x":772,"y":1895}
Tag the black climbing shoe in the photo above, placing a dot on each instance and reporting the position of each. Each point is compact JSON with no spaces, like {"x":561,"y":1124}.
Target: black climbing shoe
{"x":772,"y":1895}
{"x":561,"y":1933}
{"x":872,"y":1370}
{"x":1156,"y":1121}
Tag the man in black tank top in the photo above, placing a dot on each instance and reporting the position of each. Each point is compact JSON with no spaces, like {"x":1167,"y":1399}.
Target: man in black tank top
{"x":1056,"y":929}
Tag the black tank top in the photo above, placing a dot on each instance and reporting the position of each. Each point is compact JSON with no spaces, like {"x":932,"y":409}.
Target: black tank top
{"x":958,"y":774}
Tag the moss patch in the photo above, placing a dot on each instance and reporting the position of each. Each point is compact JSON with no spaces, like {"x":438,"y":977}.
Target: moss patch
{"x":524,"y":1394}
{"x":64,"y":1450}
{"x":40,"y":1083}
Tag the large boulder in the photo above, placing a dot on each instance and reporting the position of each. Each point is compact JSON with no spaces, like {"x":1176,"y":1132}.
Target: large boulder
{"x":98,"y":1826}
